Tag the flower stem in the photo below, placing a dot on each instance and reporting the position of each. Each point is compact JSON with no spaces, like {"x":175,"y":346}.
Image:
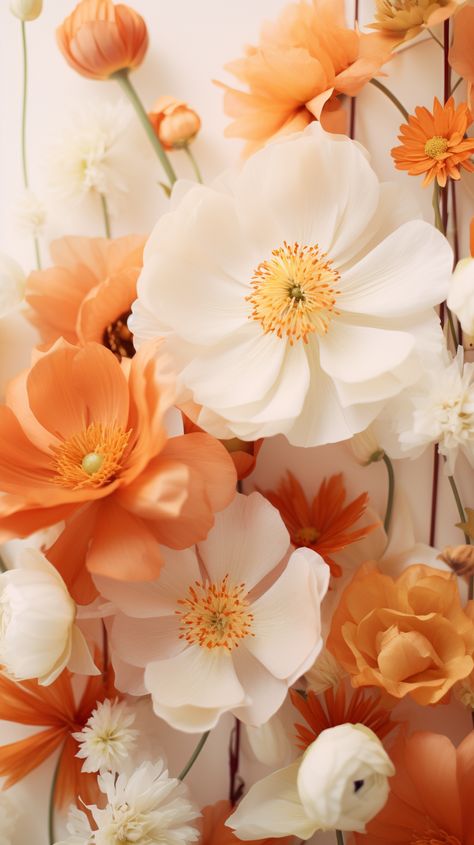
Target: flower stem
{"x":456,"y":84}
{"x":105,"y":214}
{"x":390,"y":494}
{"x":459,"y":505}
{"x":194,"y":163}
{"x":194,"y":756}
{"x":435,"y":38}
{"x":441,"y":228}
{"x":339,"y":837}
{"x":24,"y":158}
{"x":123,"y":79}
{"x":396,"y":102}
{"x":52,"y":794}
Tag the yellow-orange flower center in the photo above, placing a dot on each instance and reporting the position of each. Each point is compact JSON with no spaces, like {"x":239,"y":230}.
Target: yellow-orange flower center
{"x":308,"y":534}
{"x":434,"y":837}
{"x":215,"y":615}
{"x":436,"y":146}
{"x":294,"y":292}
{"x":91,"y":458}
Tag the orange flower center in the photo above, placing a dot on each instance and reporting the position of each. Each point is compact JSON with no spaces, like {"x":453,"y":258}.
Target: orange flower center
{"x":434,"y":837}
{"x":436,"y":146}
{"x":91,"y":458}
{"x":294,"y":292}
{"x":308,"y":534}
{"x":118,"y":338}
{"x":215,"y":615}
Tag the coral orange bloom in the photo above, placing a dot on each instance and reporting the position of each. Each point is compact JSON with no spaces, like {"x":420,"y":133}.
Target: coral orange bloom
{"x":244,"y":453}
{"x":324,"y":525}
{"x":54,"y":709}
{"x":303,"y":62}
{"x":88,"y":293}
{"x":461,"y":56}
{"x":430,"y":800}
{"x":363,"y":707}
{"x":215,"y":832}
{"x":84,"y":440}
{"x":408,"y":636}
{"x":100,"y":38}
{"x":175,"y":124}
{"x":433,"y":143}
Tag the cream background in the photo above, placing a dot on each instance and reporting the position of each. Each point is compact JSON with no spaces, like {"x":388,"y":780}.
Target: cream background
{"x":190,"y":43}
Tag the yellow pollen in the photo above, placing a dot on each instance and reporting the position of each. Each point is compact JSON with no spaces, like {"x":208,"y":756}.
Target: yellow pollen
{"x":294,"y":292}
{"x":436,"y":146}
{"x":215,"y":615}
{"x":92,"y":458}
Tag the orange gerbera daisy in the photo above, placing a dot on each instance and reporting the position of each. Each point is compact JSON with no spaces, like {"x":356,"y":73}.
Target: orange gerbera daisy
{"x":363,"y":707}
{"x":53,"y":708}
{"x":88,"y":293}
{"x":215,"y":832}
{"x":324,"y":524}
{"x":430,"y":800}
{"x":433,"y":143}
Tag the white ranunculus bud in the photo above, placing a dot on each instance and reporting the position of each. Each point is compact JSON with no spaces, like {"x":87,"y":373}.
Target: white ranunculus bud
{"x":38,"y":634}
{"x":366,"y":448}
{"x":26,"y":10}
{"x":461,"y":294}
{"x":12,"y":284}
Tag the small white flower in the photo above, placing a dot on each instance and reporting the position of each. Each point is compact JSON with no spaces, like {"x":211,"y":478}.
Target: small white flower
{"x":108,"y":737}
{"x":365,"y":447}
{"x":12,"y":284}
{"x":30,"y":214}
{"x":339,"y":783}
{"x":8,"y":819}
{"x":142,"y":809}
{"x":26,"y":10}
{"x":461,"y":294}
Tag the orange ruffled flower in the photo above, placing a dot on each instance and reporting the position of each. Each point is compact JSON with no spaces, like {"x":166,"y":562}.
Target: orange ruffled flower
{"x":324,"y":524}
{"x":84,"y":440}
{"x":430,"y":800}
{"x":175,"y":124}
{"x":87,"y":295}
{"x":433,"y":143}
{"x":363,"y":708}
{"x":404,"y":19}
{"x":99,"y":38}
{"x":408,"y":636}
{"x":215,"y":832}
{"x":461,"y":54}
{"x":303,"y":62}
{"x":54,"y":709}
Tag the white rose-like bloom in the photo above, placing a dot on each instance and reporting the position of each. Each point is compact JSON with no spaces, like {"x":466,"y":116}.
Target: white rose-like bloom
{"x":38,"y":634}
{"x":340,"y":783}
{"x":294,"y":296}
{"x":26,"y":10}
{"x":12,"y":284}
{"x":8,"y":819}
{"x":107,"y":738}
{"x":145,"y":808}
{"x":461,"y":294}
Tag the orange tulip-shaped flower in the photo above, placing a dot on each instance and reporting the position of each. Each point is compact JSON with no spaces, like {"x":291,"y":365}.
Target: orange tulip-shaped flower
{"x":99,"y":38}
{"x":84,"y":441}
{"x":175,"y":124}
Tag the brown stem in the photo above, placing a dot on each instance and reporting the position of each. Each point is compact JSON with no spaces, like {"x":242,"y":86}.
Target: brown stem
{"x":236,"y":784}
{"x":434,"y":495}
{"x":352,"y":118}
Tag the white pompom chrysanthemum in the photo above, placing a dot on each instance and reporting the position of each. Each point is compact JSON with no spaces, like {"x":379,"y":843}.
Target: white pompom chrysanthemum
{"x":108,"y":737}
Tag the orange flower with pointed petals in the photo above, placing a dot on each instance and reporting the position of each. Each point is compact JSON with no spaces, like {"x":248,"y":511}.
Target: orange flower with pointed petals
{"x":433,"y":143}
{"x":363,"y":707}
{"x":84,"y":441}
{"x":430,"y":800}
{"x":87,"y":294}
{"x":215,"y":832}
{"x":324,"y":525}
{"x":99,"y":38}
{"x":55,"y":710}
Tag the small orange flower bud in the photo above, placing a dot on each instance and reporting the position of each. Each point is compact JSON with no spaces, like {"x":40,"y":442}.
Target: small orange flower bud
{"x":175,"y":124}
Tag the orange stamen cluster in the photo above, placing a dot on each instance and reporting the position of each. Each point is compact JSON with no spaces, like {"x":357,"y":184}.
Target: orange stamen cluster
{"x":107,"y":443}
{"x":294,"y":292}
{"x":215,"y":615}
{"x":435,"y":837}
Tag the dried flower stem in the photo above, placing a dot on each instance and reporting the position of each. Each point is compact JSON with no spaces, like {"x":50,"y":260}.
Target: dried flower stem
{"x":339,"y":837}
{"x":236,"y":784}
{"x":24,"y":157}
{"x":106,"y":216}
{"x":194,"y":756}
{"x":391,"y":491}
{"x":194,"y":163}
{"x":435,"y":38}
{"x":396,"y":102}
{"x":352,"y":117}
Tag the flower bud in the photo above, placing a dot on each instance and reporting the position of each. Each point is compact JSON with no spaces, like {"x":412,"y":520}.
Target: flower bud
{"x":175,"y":124}
{"x":26,"y":10}
{"x":12,"y":284}
{"x":365,"y":447}
{"x":459,"y":558}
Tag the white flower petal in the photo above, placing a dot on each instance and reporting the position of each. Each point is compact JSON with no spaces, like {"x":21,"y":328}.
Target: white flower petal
{"x":198,"y":676}
{"x":265,"y":693}
{"x":355,"y":353}
{"x":140,"y":641}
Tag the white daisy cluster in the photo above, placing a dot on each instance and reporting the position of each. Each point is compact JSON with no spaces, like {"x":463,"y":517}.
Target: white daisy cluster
{"x":108,"y":737}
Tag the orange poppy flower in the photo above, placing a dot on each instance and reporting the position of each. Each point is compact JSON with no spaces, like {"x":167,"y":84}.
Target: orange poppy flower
{"x":303,"y":62}
{"x":54,"y":709}
{"x":84,"y":441}
{"x":215,"y":832}
{"x":430,"y":800}
{"x":324,"y":525}
{"x":363,"y":707}
{"x":433,"y":143}
{"x":88,"y":293}
{"x":99,"y":38}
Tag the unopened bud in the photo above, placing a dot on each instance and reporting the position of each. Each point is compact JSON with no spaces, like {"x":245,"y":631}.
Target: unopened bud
{"x":175,"y":124}
{"x":26,"y":10}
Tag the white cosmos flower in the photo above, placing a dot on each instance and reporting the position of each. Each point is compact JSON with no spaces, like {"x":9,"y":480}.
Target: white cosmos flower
{"x":146,"y":808}
{"x":294,"y":296}
{"x":461,"y":294}
{"x":8,"y":819}
{"x":107,"y":738}
{"x":38,"y":634}
{"x":226,"y":627}
{"x":339,"y":783}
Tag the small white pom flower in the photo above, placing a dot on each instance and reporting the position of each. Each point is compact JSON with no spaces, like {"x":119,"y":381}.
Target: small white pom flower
{"x":8,"y":819}
{"x":30,"y":214}
{"x":12,"y":284}
{"x":107,"y":738}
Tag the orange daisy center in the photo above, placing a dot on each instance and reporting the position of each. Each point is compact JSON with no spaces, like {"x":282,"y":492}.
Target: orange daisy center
{"x":294,"y":292}
{"x":436,"y":146}
{"x":435,"y":837}
{"x":91,"y":458}
{"x":308,"y":534}
{"x":215,"y":615}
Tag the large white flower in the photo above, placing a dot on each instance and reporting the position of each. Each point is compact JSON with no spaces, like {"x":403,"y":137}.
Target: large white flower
{"x":339,"y":783}
{"x":461,"y":294}
{"x":227,"y":627}
{"x":294,"y":296}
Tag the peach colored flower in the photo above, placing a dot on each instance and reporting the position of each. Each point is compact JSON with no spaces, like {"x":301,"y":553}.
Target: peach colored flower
{"x":434,"y":143}
{"x":215,"y":832}
{"x":244,"y":453}
{"x":461,"y":57}
{"x":404,"y":19}
{"x":408,"y":636}
{"x":84,"y":440}
{"x":430,"y":801}
{"x":303,"y":62}
{"x":99,"y":38}
{"x":88,"y":292}
{"x":324,"y":525}
{"x":175,"y":124}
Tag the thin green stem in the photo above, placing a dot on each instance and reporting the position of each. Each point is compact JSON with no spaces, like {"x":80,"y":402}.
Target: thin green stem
{"x":3,"y":568}
{"x":456,"y":84}
{"x":435,"y":38}
{"x":459,"y":505}
{"x":24,"y":162}
{"x":194,"y":163}
{"x":123,"y":79}
{"x":339,"y":837}
{"x":437,"y":213}
{"x":194,"y":756}
{"x":390,"y":493}
{"x":105,"y":214}
{"x":54,"y":781}
{"x":396,"y":102}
